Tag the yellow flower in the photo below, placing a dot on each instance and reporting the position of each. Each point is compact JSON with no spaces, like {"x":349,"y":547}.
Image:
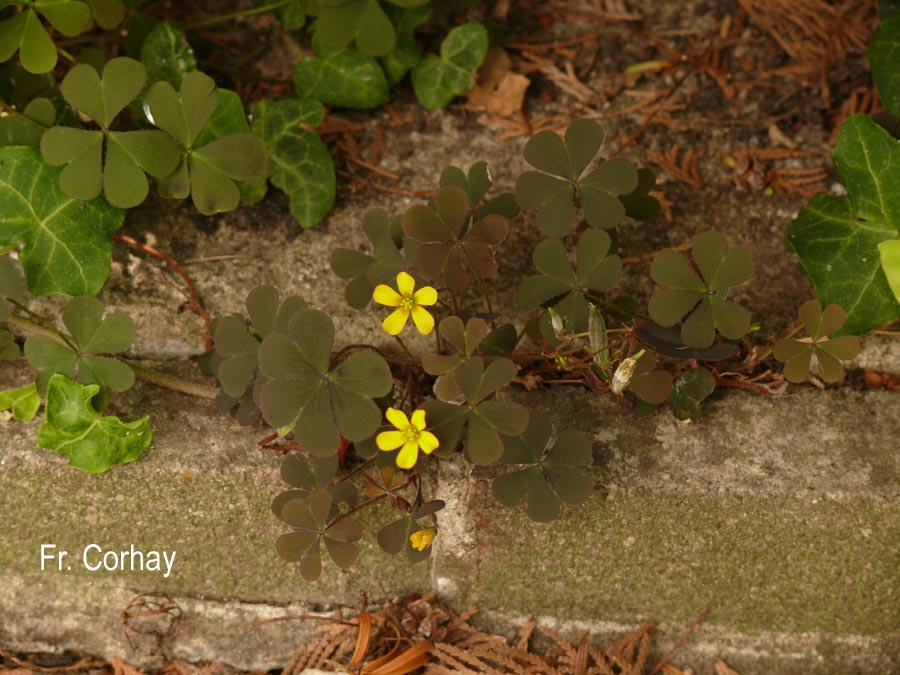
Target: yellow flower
{"x":410,"y":434}
{"x":407,"y":304}
{"x":422,"y":539}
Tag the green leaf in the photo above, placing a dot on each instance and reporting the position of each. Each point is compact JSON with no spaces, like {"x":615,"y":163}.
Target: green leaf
{"x":24,"y":402}
{"x":689,"y":391}
{"x":890,"y":262}
{"x":299,"y":163}
{"x":341,"y":77}
{"x":884,"y":56}
{"x":437,"y":80}
{"x":107,"y":13}
{"x":797,"y":353}
{"x":91,"y":442}
{"x":401,"y":59}
{"x":25,"y":33}
{"x":167,"y":55}
{"x":60,"y":254}
{"x":28,"y":127}
{"x":837,"y":238}
{"x":320,"y":401}
{"x":291,"y":15}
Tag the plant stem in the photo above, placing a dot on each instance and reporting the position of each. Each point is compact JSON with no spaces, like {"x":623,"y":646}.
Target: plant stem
{"x":237,"y":15}
{"x":39,"y":327}
{"x":170,"y":382}
{"x":405,"y":348}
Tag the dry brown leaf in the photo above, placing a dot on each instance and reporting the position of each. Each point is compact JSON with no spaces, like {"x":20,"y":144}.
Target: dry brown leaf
{"x":499,"y":91}
{"x":684,"y":169}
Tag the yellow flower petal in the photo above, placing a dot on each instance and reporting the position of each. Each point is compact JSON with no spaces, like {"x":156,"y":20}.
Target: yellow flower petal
{"x":390,"y":440}
{"x":418,"y":419}
{"x":428,"y":442}
{"x":396,"y":321}
{"x":422,"y":539}
{"x":423,"y":320}
{"x":385,"y":295}
{"x":425,"y":296}
{"x":405,"y":284}
{"x":408,"y":455}
{"x":399,"y":419}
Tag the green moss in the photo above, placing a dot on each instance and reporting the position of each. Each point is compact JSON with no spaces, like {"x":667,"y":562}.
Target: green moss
{"x":759,"y":562}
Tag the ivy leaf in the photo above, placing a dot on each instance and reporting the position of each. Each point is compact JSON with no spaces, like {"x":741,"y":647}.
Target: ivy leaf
{"x":322,"y":402}
{"x":92,"y":334}
{"x":341,"y":76}
{"x":699,"y":299}
{"x":91,"y":442}
{"x":365,"y":271}
{"x":481,"y":421}
{"x":837,"y":238}
{"x":447,"y":250}
{"x":438,"y":80}
{"x":235,"y":359}
{"x":797,"y":354}
{"x":884,"y":55}
{"x":552,"y":472}
{"x":554,"y":190}
{"x":12,"y":285}
{"x":167,"y":55}
{"x":401,"y":59}
{"x":690,"y":390}
{"x":25,"y":33}
{"x":61,"y":255}
{"x":299,"y":163}
{"x":595,"y":272}
{"x":24,"y":402}
{"x":207,"y":171}
{"x":113,"y":162}
{"x":28,"y":127}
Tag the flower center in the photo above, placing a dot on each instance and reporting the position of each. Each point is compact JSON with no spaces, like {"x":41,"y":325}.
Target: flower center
{"x":408,"y":303}
{"x":412,"y":434}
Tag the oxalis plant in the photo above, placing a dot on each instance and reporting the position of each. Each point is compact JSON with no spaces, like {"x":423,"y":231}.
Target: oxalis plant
{"x":366,"y":419}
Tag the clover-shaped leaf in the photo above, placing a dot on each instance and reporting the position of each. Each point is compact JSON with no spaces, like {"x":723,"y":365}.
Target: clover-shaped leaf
{"x":27,"y":127}
{"x":667,"y":342}
{"x":92,"y":334}
{"x":648,"y":383}
{"x":464,"y":338}
{"x":797,"y":353}
{"x":553,"y":472}
{"x":235,"y":361}
{"x":113,"y":162}
{"x":595,"y":271}
{"x":323,"y":403}
{"x":639,"y":204}
{"x":699,"y":299}
{"x":481,"y":420}
{"x":476,"y":183}
{"x":366,"y":271}
{"x":310,"y":519}
{"x":25,"y":33}
{"x":554,"y":190}
{"x":299,"y":163}
{"x":207,"y":171}
{"x":91,"y":442}
{"x":341,"y":76}
{"x":837,"y":238}
{"x":395,"y":537}
{"x":304,"y":477}
{"x":107,"y":13}
{"x":448,"y":249}
{"x":689,"y":391}
{"x":22,"y":402}
{"x":365,"y":21}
